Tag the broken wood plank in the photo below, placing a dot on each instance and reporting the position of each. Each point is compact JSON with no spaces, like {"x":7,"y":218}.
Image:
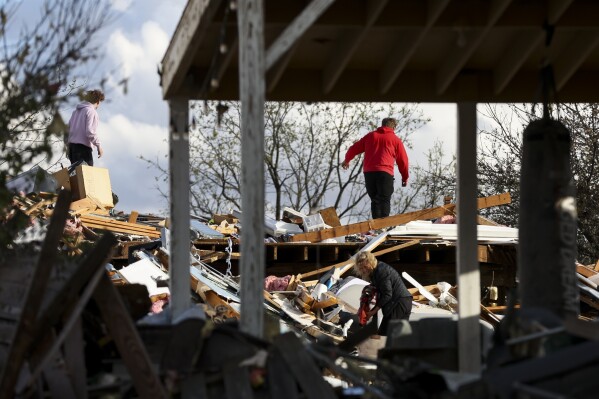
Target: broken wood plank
{"x":425,"y":214}
{"x":585,"y":271}
{"x":99,"y":220}
{"x":127,"y":340}
{"x":31,"y":306}
{"x":330,"y":217}
{"x":131,"y":229}
{"x":280,"y":382}
{"x":485,"y":222}
{"x":237,"y":381}
{"x":212,"y":299}
{"x":351,"y":260}
{"x":133,"y":217}
{"x":303,"y":367}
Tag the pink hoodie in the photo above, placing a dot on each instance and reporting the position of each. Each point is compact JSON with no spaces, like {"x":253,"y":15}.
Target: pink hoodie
{"x":83,"y":125}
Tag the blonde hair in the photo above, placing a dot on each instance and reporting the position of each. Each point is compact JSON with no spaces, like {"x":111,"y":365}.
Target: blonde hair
{"x":366,"y":258}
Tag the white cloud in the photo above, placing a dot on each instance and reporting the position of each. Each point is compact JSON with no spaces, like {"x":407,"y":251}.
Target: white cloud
{"x":121,"y":5}
{"x":442,"y":127}
{"x":123,"y":141}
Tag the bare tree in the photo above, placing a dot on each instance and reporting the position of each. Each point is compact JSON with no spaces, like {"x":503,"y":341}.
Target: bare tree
{"x":500,"y":156}
{"x":430,"y":182}
{"x":37,"y":69}
{"x":304,"y":147}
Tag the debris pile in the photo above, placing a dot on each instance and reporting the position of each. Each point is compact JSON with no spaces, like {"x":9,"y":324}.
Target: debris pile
{"x":74,"y":247}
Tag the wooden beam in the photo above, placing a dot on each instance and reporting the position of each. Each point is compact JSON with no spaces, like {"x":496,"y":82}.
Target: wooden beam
{"x":460,"y":55}
{"x":303,"y":367}
{"x":250,"y":17}
{"x":431,"y":213}
{"x":117,"y":225}
{"x":510,"y":63}
{"x":573,"y":56}
{"x":347,"y":45}
{"x":467,"y":267}
{"x":404,"y":49}
{"x":295,"y":30}
{"x":127,"y":340}
{"x":556,"y":8}
{"x":193,"y":24}
{"x":523,"y":45}
{"x":275,"y":74}
{"x":232,"y":49}
{"x":23,"y":334}
{"x":351,"y":260}
{"x":133,"y":217}
{"x":179,"y":206}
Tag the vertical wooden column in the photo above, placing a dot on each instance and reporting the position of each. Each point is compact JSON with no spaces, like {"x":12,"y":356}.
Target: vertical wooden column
{"x":250,"y":19}
{"x":468,"y":271}
{"x":179,"y":201}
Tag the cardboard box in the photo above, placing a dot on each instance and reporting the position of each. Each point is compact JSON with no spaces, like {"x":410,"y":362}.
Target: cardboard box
{"x":90,"y":181}
{"x":62,"y":177}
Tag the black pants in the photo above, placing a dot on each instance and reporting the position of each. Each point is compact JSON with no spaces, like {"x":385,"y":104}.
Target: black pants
{"x":80,"y":152}
{"x":401,"y":311}
{"x":379,"y":186}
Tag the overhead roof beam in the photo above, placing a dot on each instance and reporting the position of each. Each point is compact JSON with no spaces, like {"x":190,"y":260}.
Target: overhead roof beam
{"x":525,"y":43}
{"x":347,"y":46}
{"x":573,"y":56}
{"x":512,"y":61}
{"x":404,"y":50}
{"x":274,"y":75}
{"x":232,"y":48}
{"x":193,"y":24}
{"x":295,"y":30}
{"x":452,"y":67}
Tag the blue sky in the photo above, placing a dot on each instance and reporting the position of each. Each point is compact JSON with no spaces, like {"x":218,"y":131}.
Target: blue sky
{"x":136,"y":123}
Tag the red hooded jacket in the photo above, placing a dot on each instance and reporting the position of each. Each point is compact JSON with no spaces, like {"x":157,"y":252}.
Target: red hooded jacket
{"x":381,"y":149}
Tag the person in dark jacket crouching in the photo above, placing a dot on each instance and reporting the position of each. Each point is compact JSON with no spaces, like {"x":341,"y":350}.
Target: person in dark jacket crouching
{"x":392,"y":295}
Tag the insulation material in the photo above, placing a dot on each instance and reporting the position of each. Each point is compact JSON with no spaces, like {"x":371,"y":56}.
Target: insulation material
{"x":147,"y":273}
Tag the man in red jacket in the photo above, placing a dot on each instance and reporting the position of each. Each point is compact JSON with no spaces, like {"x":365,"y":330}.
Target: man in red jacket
{"x":382,"y":149}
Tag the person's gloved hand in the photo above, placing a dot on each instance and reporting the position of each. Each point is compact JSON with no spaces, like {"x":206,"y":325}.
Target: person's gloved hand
{"x":404,"y":183}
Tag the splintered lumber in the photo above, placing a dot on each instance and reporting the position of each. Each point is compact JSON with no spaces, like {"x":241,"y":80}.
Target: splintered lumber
{"x":585,"y":271}
{"x":102,"y":223}
{"x":346,"y":265}
{"x":128,"y":342}
{"x":425,"y":214}
{"x":23,"y":333}
{"x":330,"y":217}
{"x":133,"y":217}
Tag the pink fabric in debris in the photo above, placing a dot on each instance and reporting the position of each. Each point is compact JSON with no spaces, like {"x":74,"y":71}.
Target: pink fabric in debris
{"x":273,"y":283}
{"x":446,"y":219}
{"x":73,"y":227}
{"x":157,"y":306}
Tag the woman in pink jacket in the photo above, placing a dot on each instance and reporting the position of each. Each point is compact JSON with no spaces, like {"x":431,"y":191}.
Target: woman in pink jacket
{"x":83,"y":129}
{"x":382,"y":149}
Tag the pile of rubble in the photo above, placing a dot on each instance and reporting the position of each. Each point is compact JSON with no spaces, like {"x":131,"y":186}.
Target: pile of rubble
{"x":76,"y":247}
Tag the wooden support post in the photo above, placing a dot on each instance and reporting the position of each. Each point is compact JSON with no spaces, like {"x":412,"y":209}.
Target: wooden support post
{"x":467,"y":268}
{"x":250,"y":19}
{"x":179,"y":199}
